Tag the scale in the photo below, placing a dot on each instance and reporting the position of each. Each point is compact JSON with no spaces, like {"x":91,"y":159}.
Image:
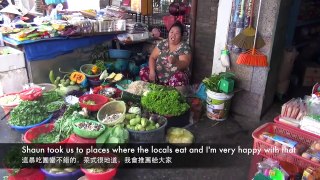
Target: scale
{"x":226,"y":83}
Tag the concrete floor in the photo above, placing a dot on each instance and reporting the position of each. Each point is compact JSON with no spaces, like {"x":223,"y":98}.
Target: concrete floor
{"x":234,"y":131}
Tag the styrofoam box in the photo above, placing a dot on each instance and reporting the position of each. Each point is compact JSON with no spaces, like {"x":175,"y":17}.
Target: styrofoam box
{"x":139,"y":36}
{"x":12,"y":61}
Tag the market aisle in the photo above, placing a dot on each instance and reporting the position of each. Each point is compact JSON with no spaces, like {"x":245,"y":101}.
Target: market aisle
{"x":229,"y":132}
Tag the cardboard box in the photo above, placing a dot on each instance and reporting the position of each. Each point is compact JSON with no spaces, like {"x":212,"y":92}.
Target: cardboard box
{"x":13,"y":60}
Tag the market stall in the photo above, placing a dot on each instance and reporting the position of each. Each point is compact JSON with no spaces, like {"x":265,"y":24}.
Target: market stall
{"x":290,"y":145}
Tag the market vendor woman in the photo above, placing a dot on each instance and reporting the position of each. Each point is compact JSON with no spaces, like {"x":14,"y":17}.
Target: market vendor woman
{"x":169,"y":61}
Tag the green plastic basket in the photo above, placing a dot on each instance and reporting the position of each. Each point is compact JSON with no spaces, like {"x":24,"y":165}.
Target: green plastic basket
{"x":86,"y":133}
{"x":110,"y":108}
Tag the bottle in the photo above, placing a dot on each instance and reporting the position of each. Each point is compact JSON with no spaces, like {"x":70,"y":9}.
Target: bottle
{"x":1,"y":39}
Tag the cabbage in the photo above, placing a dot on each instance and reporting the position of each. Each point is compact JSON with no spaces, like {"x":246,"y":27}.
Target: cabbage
{"x":179,"y":136}
{"x":135,"y":110}
{"x":62,"y":90}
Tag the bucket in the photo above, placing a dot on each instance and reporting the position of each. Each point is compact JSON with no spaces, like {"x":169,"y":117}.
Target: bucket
{"x":218,"y":105}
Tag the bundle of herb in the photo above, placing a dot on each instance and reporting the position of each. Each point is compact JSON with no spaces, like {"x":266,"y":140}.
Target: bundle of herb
{"x":165,"y":102}
{"x":28,"y":113}
{"x":50,"y":96}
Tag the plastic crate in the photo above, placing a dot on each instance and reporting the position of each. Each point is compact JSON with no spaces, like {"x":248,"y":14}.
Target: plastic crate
{"x":291,"y":133}
{"x":276,"y":120}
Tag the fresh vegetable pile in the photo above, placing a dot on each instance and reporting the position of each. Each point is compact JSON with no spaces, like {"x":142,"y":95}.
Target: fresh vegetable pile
{"x":55,"y":106}
{"x":64,"y":125}
{"x":113,"y":135}
{"x":165,"y":102}
{"x":28,"y":113}
{"x":10,"y":100}
{"x":49,"y":97}
{"x":137,"y":123}
{"x":179,"y":136}
{"x":50,"y":137}
{"x":59,"y":168}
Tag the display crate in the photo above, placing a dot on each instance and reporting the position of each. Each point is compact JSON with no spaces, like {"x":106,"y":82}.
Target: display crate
{"x":291,"y":133}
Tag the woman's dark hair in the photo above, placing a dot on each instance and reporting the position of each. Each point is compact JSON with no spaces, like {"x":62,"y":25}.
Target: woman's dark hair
{"x":179,"y":25}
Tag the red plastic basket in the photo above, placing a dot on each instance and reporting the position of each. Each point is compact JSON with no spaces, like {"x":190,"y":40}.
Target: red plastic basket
{"x":276,"y":120}
{"x":31,"y":94}
{"x":26,"y":174}
{"x":287,"y":132}
{"x":35,"y":132}
{"x":107,"y":175}
{"x":99,"y":100}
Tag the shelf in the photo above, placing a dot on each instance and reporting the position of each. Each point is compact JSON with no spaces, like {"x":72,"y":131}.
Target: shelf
{"x":310,"y":22}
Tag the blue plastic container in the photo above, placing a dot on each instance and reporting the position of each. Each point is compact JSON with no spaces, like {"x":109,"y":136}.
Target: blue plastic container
{"x":119,"y":53}
{"x":121,"y":65}
{"x":23,"y":129}
{"x":67,"y":176}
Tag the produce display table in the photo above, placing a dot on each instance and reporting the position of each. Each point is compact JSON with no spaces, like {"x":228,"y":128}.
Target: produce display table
{"x":67,"y":52}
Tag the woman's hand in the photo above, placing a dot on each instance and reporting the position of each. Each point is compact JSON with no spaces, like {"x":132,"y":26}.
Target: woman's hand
{"x":152,"y":76}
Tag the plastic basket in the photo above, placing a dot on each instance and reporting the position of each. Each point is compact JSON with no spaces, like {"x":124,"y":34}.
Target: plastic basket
{"x":31,"y":94}
{"x":100,"y":100}
{"x":85,"y":133}
{"x":72,"y":175}
{"x":23,"y":129}
{"x":35,"y":132}
{"x":8,"y":107}
{"x":276,"y":120}
{"x":107,"y":175}
{"x":152,"y":136}
{"x":77,"y":139}
{"x":287,"y":132}
{"x":26,"y":174}
{"x":87,"y":67}
{"x":110,"y":108}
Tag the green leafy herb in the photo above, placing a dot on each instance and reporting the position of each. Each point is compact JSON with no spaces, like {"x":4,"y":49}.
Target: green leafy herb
{"x":49,"y":97}
{"x":47,"y":138}
{"x":100,"y":65}
{"x":28,"y":113}
{"x":212,"y":83}
{"x":165,"y":102}
{"x":54,"y":106}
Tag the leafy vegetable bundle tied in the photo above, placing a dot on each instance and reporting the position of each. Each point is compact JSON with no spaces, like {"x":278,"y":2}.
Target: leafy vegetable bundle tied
{"x":165,"y":102}
{"x":28,"y":113}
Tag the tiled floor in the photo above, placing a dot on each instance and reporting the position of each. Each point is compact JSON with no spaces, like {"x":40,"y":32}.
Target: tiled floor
{"x":233,"y":132}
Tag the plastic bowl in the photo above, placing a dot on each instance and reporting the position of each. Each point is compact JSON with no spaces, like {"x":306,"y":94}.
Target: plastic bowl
{"x":35,"y":132}
{"x":86,"y":133}
{"x":87,"y":67}
{"x":77,"y":139}
{"x":107,"y":175}
{"x":31,"y":94}
{"x":110,"y":108}
{"x":26,"y":174}
{"x":47,"y":87}
{"x":94,"y":82}
{"x":119,"y":53}
{"x":23,"y":129}
{"x":72,"y":175}
{"x":99,"y":99}
{"x":123,"y":84}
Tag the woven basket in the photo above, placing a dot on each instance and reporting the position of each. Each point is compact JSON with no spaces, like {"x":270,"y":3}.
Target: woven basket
{"x":110,"y":108}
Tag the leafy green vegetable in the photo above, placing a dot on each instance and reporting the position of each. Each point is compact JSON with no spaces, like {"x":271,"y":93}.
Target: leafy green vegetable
{"x":54,"y":106}
{"x":47,"y":138}
{"x":113,"y":136}
{"x":100,"y":65}
{"x":28,"y":113}
{"x":49,"y":97}
{"x":165,"y":102}
{"x":212,"y":83}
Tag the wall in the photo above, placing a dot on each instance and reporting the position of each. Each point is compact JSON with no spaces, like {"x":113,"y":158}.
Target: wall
{"x":252,"y":81}
{"x":204,"y":39}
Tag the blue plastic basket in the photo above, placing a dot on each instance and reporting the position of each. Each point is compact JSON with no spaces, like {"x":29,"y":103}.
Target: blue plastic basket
{"x":23,"y":129}
{"x":119,"y":53}
{"x":73,"y":175}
